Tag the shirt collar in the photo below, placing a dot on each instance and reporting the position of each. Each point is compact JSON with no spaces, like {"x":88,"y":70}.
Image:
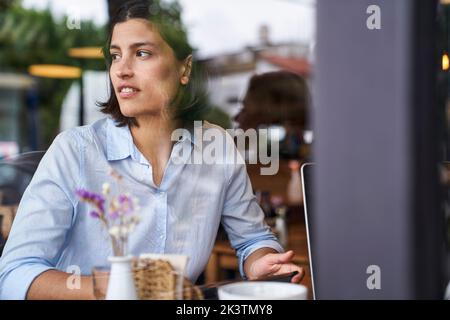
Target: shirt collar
{"x":120,"y":143}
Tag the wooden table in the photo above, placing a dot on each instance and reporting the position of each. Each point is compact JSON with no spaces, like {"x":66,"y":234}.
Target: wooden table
{"x":223,"y":257}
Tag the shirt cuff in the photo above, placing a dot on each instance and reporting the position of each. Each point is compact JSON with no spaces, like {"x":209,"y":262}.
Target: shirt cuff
{"x":248,"y":251}
{"x":16,"y":283}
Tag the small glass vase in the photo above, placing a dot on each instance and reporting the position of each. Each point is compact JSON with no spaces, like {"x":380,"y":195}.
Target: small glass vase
{"x":121,"y":282}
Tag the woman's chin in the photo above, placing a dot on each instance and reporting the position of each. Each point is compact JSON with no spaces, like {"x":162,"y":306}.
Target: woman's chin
{"x":129,"y":114}
{"x":136,"y":113}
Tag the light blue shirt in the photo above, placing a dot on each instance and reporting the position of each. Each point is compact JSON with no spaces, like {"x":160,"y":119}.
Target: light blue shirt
{"x":53,"y":229}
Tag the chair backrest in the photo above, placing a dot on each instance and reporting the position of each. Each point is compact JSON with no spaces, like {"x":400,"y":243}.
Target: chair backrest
{"x":16,"y":174}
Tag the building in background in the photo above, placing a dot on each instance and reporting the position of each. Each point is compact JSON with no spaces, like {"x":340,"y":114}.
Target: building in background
{"x":229,"y":74}
{"x":95,"y":86}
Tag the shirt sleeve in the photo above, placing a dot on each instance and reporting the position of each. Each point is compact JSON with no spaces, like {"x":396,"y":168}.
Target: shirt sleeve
{"x":243,"y":218}
{"x":43,"y":219}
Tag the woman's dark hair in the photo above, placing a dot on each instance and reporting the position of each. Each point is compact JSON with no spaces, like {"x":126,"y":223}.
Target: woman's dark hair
{"x":189,"y":101}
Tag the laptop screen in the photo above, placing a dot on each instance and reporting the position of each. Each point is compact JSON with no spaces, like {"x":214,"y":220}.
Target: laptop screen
{"x":307,"y":179}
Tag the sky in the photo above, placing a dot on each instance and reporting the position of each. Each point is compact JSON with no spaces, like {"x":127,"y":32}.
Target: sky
{"x":216,"y":26}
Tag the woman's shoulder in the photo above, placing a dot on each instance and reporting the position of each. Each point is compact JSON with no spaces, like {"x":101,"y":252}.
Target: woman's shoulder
{"x":84,"y":135}
{"x":72,"y":148}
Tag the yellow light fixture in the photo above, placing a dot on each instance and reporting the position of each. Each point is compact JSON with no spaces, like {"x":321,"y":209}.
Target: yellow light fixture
{"x":86,"y":53}
{"x":54,"y":71}
{"x":445,"y":62}
{"x":445,"y":2}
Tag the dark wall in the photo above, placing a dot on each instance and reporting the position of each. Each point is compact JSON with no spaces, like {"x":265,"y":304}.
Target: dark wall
{"x":377,"y":151}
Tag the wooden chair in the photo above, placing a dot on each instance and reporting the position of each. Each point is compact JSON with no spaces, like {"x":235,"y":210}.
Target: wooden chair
{"x":8,"y":213}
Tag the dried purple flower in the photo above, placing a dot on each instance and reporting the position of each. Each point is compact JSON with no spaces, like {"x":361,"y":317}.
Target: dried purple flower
{"x":113,"y":215}
{"x":119,"y":218}
{"x":93,"y":198}
{"x":126,"y":204}
{"x":94,"y":214}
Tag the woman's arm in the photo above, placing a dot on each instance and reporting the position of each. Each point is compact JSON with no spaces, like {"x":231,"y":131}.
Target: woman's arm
{"x":256,"y":246}
{"x":43,"y":221}
{"x":52,"y":284}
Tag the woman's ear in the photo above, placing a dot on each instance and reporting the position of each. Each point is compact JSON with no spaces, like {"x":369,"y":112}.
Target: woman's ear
{"x":186,"y":70}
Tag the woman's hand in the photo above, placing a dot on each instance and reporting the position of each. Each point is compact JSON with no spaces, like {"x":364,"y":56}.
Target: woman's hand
{"x":265,"y":264}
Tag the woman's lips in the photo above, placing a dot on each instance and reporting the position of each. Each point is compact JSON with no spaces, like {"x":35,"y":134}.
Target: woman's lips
{"x":126,"y":92}
{"x":127,"y":95}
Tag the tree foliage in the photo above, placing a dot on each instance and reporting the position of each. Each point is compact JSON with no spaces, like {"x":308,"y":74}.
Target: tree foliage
{"x":34,"y":37}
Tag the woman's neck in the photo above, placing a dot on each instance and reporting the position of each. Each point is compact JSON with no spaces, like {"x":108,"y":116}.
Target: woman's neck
{"x":153,"y":136}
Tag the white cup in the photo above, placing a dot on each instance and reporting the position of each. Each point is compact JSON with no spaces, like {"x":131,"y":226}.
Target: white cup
{"x":262,"y":290}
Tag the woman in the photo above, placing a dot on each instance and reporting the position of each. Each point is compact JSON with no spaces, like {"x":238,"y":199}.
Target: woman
{"x":182,"y":205}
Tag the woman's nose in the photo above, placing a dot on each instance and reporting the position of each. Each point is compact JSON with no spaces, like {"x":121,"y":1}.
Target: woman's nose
{"x":239,"y":117}
{"x":124,"y":69}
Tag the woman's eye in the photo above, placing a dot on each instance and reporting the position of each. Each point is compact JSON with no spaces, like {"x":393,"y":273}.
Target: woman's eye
{"x":114,"y":56}
{"x":143,"y":54}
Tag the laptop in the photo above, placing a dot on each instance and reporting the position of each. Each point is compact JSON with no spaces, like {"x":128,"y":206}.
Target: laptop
{"x":307,"y":179}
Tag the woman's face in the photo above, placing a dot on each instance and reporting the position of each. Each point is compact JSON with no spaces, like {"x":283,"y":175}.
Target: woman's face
{"x":144,"y":71}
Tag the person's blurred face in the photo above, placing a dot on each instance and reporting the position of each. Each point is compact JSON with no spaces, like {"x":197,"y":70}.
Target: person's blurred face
{"x":144,"y":71}
{"x":248,"y":117}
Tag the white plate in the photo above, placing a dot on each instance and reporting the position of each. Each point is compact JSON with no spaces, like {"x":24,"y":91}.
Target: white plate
{"x":261,"y":290}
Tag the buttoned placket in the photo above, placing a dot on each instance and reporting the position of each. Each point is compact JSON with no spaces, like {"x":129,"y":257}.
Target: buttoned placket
{"x":160,"y":193}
